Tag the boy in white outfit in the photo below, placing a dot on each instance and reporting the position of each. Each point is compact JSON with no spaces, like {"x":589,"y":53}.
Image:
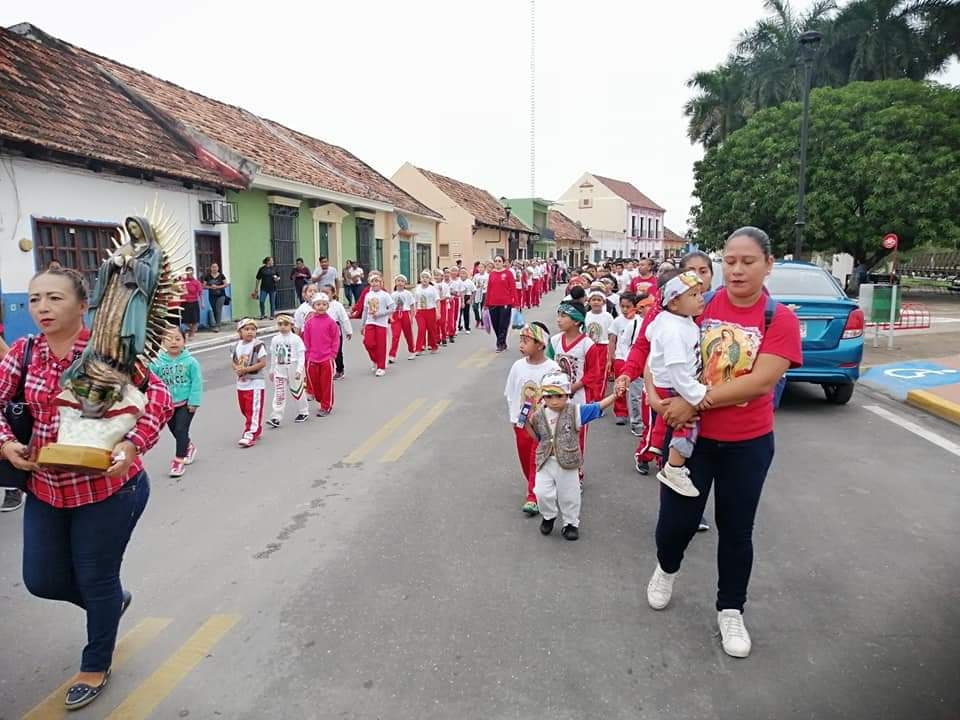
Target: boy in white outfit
{"x":287,"y":372}
{"x":556,"y":428}
{"x":342,"y":318}
{"x":305,"y":310}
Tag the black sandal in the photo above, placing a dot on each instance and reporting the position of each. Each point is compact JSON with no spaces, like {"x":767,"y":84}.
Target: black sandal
{"x":82,"y":694}
{"x":125,"y":603}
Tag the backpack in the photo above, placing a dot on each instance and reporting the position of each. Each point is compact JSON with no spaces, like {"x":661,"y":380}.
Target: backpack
{"x":768,"y":313}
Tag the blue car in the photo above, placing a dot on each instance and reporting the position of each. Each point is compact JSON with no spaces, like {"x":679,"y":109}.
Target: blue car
{"x":831,"y":326}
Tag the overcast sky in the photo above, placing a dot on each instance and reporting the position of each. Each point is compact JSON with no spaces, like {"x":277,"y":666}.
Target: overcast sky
{"x":442,"y":83}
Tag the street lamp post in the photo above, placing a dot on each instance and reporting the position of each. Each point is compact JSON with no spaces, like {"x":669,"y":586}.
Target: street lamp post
{"x":809,"y":44}
{"x":500,"y":221}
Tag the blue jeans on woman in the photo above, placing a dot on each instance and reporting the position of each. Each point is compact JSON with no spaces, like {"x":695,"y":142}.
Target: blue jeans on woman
{"x":74,"y":555}
{"x":739,"y":469}
{"x":274,"y":297}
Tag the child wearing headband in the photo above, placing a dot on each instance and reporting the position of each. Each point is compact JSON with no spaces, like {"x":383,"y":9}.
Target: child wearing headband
{"x":598,"y":322}
{"x":578,"y":356}
{"x":287,"y":372}
{"x":321,"y":339}
{"x":249,"y":359}
{"x":675,"y":366}
{"x":556,"y":428}
{"x":402,"y":320}
{"x":427,"y":298}
{"x":523,"y":394}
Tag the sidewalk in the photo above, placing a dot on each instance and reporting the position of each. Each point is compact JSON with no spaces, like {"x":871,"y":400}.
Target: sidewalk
{"x":923,"y":370}
{"x":206,"y":339}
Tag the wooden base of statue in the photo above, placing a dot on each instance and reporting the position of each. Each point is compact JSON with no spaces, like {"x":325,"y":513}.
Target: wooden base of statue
{"x":74,"y":458}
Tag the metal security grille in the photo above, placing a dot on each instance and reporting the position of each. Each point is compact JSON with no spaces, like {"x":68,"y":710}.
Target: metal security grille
{"x":365,"y":243}
{"x":284,"y":244}
{"x":424,"y":261}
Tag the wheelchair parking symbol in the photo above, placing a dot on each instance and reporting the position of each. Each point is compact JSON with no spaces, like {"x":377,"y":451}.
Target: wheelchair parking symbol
{"x":916,"y":373}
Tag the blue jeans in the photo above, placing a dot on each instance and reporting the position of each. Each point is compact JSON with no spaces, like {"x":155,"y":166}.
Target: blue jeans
{"x":274,"y":297}
{"x":739,"y":469}
{"x":74,"y":555}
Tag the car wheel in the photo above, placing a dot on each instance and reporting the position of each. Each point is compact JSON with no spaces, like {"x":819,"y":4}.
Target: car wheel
{"x":838,"y":394}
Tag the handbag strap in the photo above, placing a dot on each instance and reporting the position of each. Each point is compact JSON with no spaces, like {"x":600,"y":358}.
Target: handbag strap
{"x":20,"y":395}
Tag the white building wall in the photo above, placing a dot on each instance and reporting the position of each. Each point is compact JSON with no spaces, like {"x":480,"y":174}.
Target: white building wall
{"x":34,"y":190}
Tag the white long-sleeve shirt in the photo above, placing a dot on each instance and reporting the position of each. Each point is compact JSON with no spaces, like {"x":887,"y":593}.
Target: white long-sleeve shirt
{"x":523,"y":384}
{"x":377,"y":308}
{"x":339,"y":314}
{"x":675,"y":355}
{"x":287,"y":350}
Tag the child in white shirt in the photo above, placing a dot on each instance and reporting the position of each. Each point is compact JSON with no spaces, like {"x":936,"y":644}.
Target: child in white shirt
{"x":378,"y":306}
{"x":303,"y":312}
{"x":675,"y":366}
{"x":623,"y":332}
{"x":249,"y":358}
{"x":468,"y":291}
{"x":597,"y":323}
{"x":523,"y":394}
{"x":427,"y":299}
{"x":402,"y":318}
{"x":341,"y":317}
{"x":287,"y":372}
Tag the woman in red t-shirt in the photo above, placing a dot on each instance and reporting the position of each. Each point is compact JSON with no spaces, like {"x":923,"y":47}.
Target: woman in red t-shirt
{"x":500,"y":298}
{"x":735,"y":447}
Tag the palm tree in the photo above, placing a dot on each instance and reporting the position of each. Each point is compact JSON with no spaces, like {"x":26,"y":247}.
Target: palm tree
{"x":719,"y":107}
{"x":769,"y":50}
{"x":886,"y":40}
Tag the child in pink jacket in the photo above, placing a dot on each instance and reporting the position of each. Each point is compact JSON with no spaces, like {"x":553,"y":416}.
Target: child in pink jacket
{"x":321,"y":336}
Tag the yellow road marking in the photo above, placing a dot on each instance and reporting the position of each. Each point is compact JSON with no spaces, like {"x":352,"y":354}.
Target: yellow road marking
{"x":479,"y":359}
{"x":404,"y":443}
{"x":380,"y":435}
{"x":130,"y":644}
{"x":144,"y":700}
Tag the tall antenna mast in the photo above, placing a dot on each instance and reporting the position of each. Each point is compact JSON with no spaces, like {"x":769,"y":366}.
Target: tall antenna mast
{"x":533,"y":100}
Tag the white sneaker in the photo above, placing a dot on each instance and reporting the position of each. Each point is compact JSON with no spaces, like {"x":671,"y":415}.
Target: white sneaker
{"x":412,"y":357}
{"x":678,"y":480}
{"x":660,"y":588}
{"x":380,"y":373}
{"x":733,"y":633}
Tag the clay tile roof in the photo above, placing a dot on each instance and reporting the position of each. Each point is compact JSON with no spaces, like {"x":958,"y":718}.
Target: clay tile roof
{"x":479,"y":203}
{"x":629,"y":193}
{"x":52,"y":97}
{"x":670,"y":236}
{"x":357,"y":170}
{"x":563,"y":227}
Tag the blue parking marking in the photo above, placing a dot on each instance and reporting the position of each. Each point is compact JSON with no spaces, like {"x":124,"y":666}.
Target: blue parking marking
{"x":897,"y":379}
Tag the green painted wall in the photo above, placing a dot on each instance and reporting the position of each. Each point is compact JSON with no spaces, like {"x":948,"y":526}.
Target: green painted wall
{"x":349,"y":245}
{"x":249,"y":244}
{"x":305,"y":235}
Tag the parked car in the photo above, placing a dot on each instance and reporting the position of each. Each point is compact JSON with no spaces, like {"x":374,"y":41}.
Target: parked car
{"x":831,"y":326}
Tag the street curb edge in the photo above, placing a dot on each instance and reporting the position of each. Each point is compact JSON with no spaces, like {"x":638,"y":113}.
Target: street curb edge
{"x":935,"y":405}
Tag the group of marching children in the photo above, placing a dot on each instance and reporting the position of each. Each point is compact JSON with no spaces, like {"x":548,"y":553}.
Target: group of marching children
{"x":305,"y":356}
{"x":560,"y":383}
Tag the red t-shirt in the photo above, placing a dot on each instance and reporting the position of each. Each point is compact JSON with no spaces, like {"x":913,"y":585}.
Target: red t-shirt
{"x":193,"y":288}
{"x":647,"y":285}
{"x":501,"y":288}
{"x":731,"y":338}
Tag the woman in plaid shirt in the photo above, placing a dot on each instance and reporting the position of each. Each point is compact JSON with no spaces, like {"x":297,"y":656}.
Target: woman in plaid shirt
{"x":76,"y":526}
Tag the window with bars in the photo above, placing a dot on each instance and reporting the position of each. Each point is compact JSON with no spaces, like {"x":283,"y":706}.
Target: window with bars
{"x":380,"y":254}
{"x":80,"y":246}
{"x":208,"y":251}
{"x":424,"y":261}
{"x":365,"y":243}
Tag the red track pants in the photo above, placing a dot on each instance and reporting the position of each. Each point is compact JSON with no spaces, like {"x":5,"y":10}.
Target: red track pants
{"x":375,"y":341}
{"x":402,"y":325}
{"x":453,"y":315}
{"x":251,"y":405}
{"x":527,"y":453}
{"x":427,"y":329}
{"x":320,"y":375}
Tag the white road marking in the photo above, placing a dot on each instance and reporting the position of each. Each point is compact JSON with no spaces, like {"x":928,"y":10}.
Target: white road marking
{"x":919,"y":431}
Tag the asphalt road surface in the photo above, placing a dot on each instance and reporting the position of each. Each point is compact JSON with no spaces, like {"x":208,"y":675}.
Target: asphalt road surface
{"x":375,"y":564}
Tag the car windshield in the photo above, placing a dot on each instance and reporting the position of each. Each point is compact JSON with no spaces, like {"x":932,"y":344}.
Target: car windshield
{"x":787,"y":280}
{"x":801,"y":281}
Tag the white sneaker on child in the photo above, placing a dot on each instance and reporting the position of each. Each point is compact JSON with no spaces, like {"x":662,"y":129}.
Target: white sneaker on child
{"x":660,"y":588}
{"x":678,"y":480}
{"x":380,"y":373}
{"x":733,"y":633}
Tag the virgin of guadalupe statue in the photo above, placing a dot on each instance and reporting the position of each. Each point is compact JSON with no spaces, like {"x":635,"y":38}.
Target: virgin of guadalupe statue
{"x":100,"y":399}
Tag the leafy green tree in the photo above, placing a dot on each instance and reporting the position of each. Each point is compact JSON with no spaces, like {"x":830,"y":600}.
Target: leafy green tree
{"x":885,"y":40}
{"x":883,"y":157}
{"x":719,"y":106}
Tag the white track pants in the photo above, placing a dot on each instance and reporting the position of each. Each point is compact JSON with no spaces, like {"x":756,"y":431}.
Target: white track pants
{"x":284,"y":382}
{"x":556,"y":486}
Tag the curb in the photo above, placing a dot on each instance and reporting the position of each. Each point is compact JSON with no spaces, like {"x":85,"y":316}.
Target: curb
{"x":935,"y":405}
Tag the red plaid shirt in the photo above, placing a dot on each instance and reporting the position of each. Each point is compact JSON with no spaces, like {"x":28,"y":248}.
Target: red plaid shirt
{"x":67,"y":489}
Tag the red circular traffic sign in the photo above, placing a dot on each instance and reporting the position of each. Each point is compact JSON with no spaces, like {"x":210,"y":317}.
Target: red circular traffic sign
{"x":890,"y":241}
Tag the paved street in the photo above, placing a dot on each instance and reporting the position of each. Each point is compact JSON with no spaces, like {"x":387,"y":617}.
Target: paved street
{"x":338,"y":570}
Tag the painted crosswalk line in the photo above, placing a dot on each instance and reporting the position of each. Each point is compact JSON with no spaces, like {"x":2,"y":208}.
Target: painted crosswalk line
{"x":141,"y":702}
{"x":129,"y":645}
{"x":404,"y":443}
{"x":383,"y":433}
